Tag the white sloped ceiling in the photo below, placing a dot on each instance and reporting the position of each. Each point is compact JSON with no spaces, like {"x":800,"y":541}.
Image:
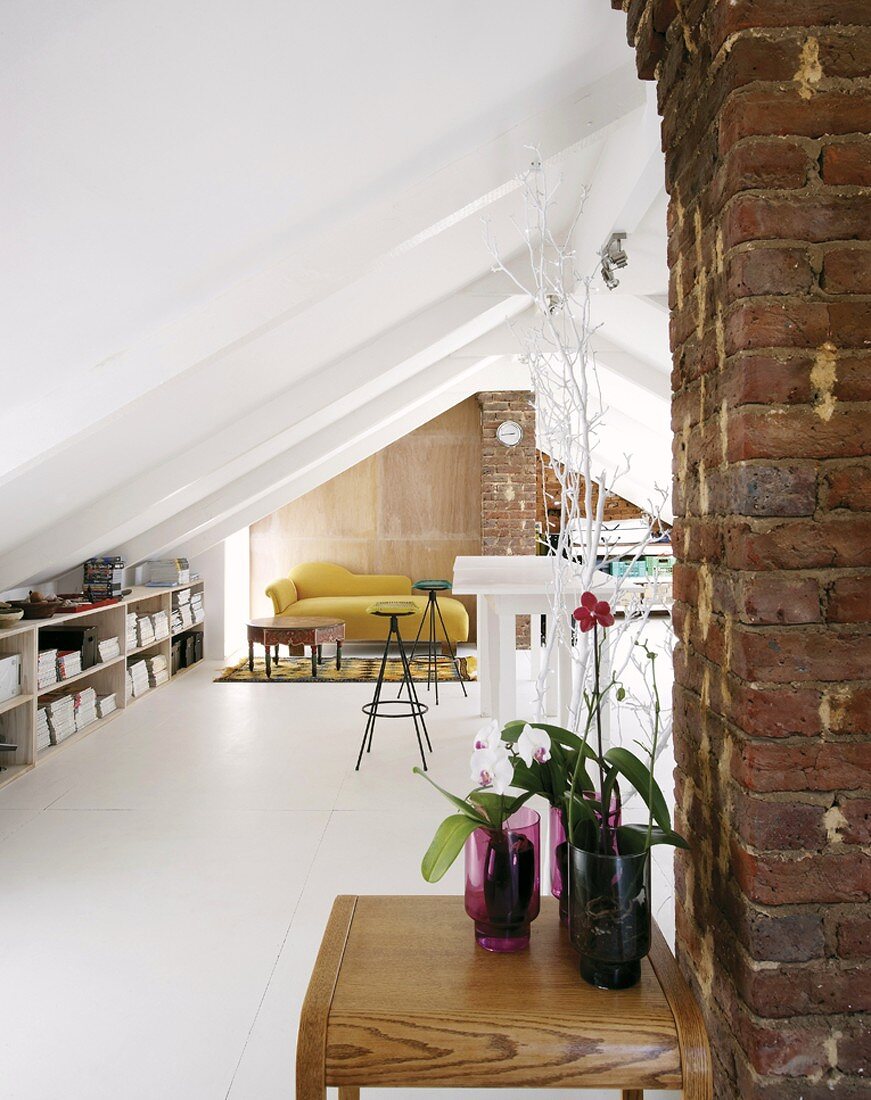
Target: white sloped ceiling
{"x":243,"y":245}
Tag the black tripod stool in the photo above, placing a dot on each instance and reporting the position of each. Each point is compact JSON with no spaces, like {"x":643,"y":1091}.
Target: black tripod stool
{"x":428,"y":621}
{"x":394,"y":708}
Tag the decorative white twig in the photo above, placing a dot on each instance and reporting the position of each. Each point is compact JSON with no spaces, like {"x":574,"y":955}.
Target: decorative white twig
{"x":570,"y":419}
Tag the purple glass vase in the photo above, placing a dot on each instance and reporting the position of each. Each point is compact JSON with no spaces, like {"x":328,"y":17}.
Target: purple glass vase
{"x":557,"y":837}
{"x":503,"y":881}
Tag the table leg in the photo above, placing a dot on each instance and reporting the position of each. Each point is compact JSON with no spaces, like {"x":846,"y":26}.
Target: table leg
{"x":628,"y":1094}
{"x":315,"y":662}
{"x":506,"y":677}
{"x":534,"y":646}
{"x":483,"y":655}
{"x":338,"y":656}
{"x":351,"y":1092}
{"x":268,"y":654}
{"x":320,"y":654}
{"x":275,"y":655}
{"x":250,"y":656}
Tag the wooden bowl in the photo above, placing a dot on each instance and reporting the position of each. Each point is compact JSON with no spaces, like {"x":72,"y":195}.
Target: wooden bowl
{"x":43,"y":610}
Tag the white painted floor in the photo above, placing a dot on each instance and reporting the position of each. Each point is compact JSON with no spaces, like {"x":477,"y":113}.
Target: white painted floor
{"x":165,"y":882}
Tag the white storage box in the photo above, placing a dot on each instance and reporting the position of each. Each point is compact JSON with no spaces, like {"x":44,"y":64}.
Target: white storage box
{"x":10,"y":676}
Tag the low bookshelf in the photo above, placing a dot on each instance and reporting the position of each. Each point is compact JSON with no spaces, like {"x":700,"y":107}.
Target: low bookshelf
{"x":18,"y":715}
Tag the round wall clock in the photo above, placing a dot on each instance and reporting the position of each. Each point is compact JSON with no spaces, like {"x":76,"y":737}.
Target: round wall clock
{"x":509,"y":433}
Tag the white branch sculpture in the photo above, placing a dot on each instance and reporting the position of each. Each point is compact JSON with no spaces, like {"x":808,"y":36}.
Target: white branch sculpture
{"x":570,"y":419}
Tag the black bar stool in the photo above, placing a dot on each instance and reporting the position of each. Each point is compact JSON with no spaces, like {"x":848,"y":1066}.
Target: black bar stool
{"x":428,"y":620}
{"x":394,"y":708}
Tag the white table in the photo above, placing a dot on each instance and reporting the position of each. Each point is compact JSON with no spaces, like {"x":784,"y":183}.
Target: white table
{"x":506,"y":587}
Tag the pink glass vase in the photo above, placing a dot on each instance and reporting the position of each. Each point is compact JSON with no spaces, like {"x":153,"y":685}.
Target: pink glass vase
{"x":559,"y":853}
{"x":503,"y":881}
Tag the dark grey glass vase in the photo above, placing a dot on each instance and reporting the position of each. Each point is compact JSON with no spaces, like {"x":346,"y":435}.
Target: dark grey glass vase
{"x":609,"y":915}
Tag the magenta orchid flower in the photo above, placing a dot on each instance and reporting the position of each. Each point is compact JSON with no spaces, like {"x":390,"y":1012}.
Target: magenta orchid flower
{"x":593,"y":612}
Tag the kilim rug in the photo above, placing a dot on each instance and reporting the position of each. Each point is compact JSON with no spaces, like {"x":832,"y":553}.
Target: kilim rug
{"x":354,"y":670}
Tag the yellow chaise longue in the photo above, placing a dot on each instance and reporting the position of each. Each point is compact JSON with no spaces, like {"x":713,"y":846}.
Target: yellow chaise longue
{"x":321,"y":588}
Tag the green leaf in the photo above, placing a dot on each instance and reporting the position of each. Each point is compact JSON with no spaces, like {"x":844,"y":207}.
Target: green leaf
{"x":512,"y":730}
{"x":498,"y":807}
{"x":461,"y":804}
{"x":632,"y":839}
{"x":638,"y":774}
{"x":535,"y":780}
{"x":621,"y":694}
{"x":514,"y":806}
{"x":446,"y":845}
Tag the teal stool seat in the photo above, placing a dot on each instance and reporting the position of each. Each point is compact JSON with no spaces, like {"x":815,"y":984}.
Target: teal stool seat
{"x":432,"y":586}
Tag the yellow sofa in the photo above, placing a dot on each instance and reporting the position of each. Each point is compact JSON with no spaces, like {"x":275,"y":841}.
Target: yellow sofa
{"x":320,"y":588}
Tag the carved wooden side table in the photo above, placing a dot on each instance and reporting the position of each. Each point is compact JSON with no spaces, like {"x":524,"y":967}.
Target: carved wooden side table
{"x":294,"y":631}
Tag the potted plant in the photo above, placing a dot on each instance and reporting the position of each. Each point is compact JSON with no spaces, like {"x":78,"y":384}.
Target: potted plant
{"x":500,"y":835}
{"x":607,"y":862}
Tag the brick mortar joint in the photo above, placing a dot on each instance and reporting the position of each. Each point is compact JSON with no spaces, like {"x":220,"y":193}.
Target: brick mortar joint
{"x":825,"y":84}
{"x":821,"y":964}
{"x":862,"y":683}
{"x":802,"y":1022}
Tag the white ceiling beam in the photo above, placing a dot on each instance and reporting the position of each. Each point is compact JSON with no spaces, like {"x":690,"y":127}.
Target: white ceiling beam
{"x":184,"y":478}
{"x":303,"y":467}
{"x":351,"y":248}
{"x":626,"y":163}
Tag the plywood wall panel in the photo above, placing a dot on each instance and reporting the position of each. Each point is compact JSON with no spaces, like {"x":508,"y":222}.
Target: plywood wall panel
{"x":411,"y":508}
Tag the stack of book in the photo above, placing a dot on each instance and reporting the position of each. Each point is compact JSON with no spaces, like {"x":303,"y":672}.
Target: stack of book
{"x":160,"y":622}
{"x":182,"y":618}
{"x":169,"y":572}
{"x":85,"y":708}
{"x":137,"y":679}
{"x":43,"y":733}
{"x":46,"y":669}
{"x":69,"y":663}
{"x":106,"y":704}
{"x":197,"y":607}
{"x":61,"y":716}
{"x":158,"y":673}
{"x":109,"y":648}
{"x":131,"y":630}
{"x":145,"y":630}
{"x":103,"y":578}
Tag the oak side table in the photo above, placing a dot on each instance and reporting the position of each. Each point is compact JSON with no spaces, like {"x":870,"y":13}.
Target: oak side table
{"x":401,"y":997}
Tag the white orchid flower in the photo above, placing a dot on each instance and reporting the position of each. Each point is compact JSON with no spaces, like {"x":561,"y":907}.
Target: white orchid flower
{"x":492,"y":767}
{"x":533,"y":744}
{"x":489,"y":736}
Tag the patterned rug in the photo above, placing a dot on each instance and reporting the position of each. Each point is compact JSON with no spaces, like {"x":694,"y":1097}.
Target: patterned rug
{"x":354,"y":670}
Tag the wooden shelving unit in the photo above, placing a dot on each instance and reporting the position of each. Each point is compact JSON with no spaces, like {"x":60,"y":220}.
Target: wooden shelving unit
{"x":18,"y":715}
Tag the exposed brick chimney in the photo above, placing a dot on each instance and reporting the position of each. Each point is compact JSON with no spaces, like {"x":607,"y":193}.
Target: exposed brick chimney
{"x":508,"y":481}
{"x":765,"y":107}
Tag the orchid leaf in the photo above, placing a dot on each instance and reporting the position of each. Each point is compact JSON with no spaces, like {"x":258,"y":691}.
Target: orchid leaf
{"x":498,"y":808}
{"x":446,"y":845}
{"x":638,"y":774}
{"x":632,"y":839}
{"x":462,"y":804}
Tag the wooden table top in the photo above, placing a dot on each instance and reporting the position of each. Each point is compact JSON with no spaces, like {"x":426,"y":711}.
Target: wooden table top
{"x":294,"y":622}
{"x":402,"y":997}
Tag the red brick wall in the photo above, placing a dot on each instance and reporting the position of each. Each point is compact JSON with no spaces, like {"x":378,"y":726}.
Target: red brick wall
{"x":549,"y":494}
{"x":508,"y":481}
{"x":766,"y":110}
